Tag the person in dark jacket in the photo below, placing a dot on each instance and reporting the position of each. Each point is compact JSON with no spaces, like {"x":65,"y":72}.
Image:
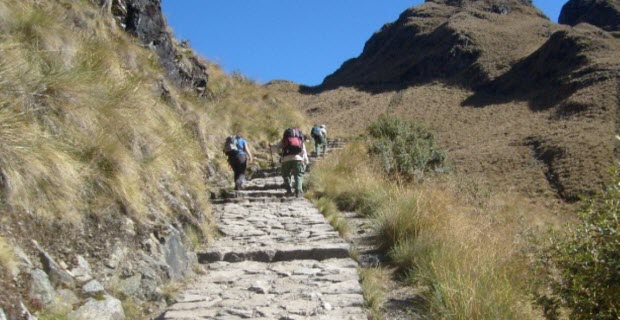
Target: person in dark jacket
{"x":238,"y":160}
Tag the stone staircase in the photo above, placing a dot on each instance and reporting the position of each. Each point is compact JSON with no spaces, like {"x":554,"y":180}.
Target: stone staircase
{"x":277,"y":258}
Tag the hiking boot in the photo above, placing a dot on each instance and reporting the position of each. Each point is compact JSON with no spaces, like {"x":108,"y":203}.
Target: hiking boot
{"x":288,"y":194}
{"x":299,"y":194}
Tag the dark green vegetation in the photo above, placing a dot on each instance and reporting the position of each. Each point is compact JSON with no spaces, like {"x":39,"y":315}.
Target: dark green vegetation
{"x":582,"y":266}
{"x":404,"y":148}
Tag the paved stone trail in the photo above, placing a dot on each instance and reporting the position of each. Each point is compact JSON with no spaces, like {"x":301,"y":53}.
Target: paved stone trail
{"x":278,"y":258}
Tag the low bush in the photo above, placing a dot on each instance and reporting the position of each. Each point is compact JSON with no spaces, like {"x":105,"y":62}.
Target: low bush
{"x":404,"y":148}
{"x":348,"y":180}
{"x":581,"y":268}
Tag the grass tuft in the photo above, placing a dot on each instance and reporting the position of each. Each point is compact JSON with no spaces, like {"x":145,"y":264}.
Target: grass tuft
{"x":8,"y":260}
{"x":334,"y":217}
{"x":373,"y":287}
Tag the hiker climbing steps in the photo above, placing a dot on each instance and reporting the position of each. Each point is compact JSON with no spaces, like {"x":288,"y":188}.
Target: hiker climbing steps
{"x":277,"y":258}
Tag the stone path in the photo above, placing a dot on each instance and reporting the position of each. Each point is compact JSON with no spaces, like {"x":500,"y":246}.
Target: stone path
{"x":277,"y":259}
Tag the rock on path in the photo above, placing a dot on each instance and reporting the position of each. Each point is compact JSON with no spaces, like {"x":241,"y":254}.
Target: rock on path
{"x":278,"y":258}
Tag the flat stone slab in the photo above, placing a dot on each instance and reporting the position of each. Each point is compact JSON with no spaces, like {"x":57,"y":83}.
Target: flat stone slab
{"x":267,"y":172}
{"x":268,"y":193}
{"x":273,"y":231}
{"x":304,"y":289}
{"x":242,"y":200}
{"x":274,"y":182}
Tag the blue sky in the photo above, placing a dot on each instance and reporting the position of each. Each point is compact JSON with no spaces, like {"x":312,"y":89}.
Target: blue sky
{"x":296,"y":40}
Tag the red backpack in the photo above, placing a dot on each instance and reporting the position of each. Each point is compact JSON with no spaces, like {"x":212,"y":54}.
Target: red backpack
{"x":292,"y":141}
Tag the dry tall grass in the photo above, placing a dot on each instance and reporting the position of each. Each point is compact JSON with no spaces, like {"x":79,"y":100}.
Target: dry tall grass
{"x":8,"y":261}
{"x":373,"y":286}
{"x":466,"y":245}
{"x":89,"y":125}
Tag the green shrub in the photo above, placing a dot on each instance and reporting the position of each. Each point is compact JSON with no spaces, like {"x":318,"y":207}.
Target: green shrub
{"x":404,"y":148}
{"x":361,"y":200}
{"x":581,"y":269}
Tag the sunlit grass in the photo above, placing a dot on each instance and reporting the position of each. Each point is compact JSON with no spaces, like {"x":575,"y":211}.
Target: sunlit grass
{"x":466,"y":245}
{"x":373,"y":287}
{"x":334,"y":217}
{"x":8,"y":260}
{"x":86,"y":129}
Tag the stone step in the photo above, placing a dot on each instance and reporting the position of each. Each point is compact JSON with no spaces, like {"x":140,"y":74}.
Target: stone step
{"x":263,"y":187}
{"x":267,"y":172}
{"x":221,"y":201}
{"x":271,"y":183}
{"x":260,"y":193}
{"x":273,"y":231}
{"x":305,"y":289}
{"x":282,"y":253}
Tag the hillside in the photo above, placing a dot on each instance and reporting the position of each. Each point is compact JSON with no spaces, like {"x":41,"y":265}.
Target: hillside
{"x":518,"y":101}
{"x":110,"y":136}
{"x":460,"y":42}
{"x":111,"y":130}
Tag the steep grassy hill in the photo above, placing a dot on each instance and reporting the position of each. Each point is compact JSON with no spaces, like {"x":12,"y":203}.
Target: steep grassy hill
{"x":516,"y":99}
{"x":110,"y":144}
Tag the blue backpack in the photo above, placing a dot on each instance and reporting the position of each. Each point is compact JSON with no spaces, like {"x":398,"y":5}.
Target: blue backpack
{"x":316,"y":132}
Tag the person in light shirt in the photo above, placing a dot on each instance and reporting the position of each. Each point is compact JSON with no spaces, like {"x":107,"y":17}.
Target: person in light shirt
{"x":294,"y":160}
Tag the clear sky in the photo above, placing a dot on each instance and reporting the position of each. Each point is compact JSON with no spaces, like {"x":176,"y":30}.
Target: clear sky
{"x":301,"y":41}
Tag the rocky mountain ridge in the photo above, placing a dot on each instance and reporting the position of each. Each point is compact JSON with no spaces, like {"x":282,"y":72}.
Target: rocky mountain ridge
{"x":145,"y":20}
{"x":446,"y":41}
{"x":603,"y":14}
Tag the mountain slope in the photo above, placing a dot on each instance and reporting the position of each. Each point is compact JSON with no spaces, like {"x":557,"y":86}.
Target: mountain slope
{"x":575,"y":76}
{"x":462,"y":42}
{"x":517,"y":100}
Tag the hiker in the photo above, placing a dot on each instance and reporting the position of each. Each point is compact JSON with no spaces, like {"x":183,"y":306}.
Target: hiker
{"x":294,"y":160}
{"x":319,"y":134}
{"x":238,"y":152}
